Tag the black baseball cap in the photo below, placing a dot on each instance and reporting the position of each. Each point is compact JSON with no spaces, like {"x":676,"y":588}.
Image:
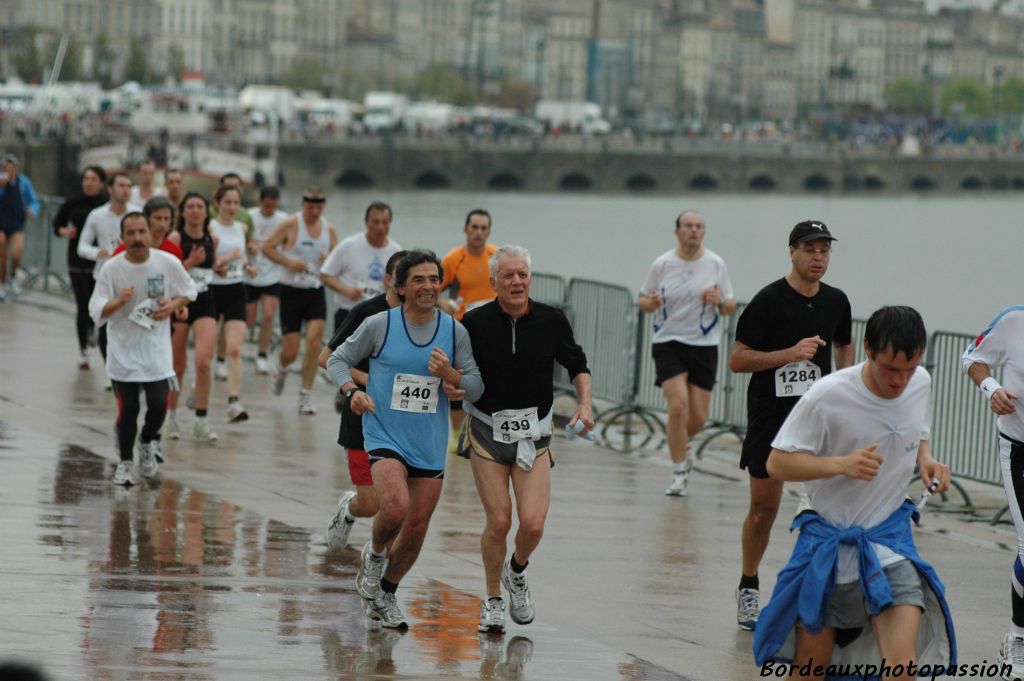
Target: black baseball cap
{"x":810,"y":230}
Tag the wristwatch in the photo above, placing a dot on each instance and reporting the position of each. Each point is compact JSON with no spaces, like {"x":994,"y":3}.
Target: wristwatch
{"x":350,"y":392}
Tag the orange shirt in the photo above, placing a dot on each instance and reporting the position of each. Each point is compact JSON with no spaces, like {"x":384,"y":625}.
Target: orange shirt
{"x":468,"y":276}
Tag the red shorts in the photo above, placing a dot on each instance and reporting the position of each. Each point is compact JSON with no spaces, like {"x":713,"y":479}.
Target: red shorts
{"x":359,"y":467}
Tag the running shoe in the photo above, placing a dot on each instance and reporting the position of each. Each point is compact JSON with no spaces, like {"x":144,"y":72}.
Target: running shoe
{"x":201,"y":431}
{"x":173,"y":427}
{"x":221,"y":371}
{"x":306,"y":405}
{"x":517,"y":654}
{"x":280,"y":373}
{"x":15,"y":288}
{"x":492,"y":616}
{"x":237,"y":413}
{"x":262,"y":366}
{"x":748,"y":607}
{"x":680,"y":481}
{"x":125,"y":474}
{"x":83,"y":362}
{"x":521,"y":609}
{"x":339,"y":528}
{"x":370,"y":571}
{"x":148,"y":465}
{"x":1012,"y":655}
{"x":384,"y":608}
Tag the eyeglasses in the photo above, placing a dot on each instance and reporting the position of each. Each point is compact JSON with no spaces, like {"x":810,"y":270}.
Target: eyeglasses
{"x":824,"y":250}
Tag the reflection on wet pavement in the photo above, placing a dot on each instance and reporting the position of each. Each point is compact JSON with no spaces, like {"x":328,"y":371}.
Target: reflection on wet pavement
{"x":165,"y":582}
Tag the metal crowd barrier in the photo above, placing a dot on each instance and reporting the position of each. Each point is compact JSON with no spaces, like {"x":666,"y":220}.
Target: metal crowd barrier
{"x":44,"y":259}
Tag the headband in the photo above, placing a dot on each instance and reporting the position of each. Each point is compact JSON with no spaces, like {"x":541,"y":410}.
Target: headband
{"x":314,"y":199}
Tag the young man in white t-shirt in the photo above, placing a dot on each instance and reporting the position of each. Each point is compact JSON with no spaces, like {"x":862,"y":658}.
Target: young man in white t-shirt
{"x":1001,"y":346}
{"x":136,"y":294}
{"x":688,"y":291}
{"x":262,"y":288}
{"x":854,"y":439}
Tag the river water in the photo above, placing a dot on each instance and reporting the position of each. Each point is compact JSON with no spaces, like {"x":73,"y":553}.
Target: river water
{"x":957,"y":260}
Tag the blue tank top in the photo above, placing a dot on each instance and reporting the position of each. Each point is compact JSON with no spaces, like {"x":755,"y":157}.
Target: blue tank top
{"x":420,"y":438}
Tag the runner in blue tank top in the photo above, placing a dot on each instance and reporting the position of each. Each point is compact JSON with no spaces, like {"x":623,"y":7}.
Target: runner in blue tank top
{"x":419,"y":358}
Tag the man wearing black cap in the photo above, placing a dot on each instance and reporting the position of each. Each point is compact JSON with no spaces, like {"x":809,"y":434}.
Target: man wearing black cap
{"x":784,"y":338}
{"x":18,"y":204}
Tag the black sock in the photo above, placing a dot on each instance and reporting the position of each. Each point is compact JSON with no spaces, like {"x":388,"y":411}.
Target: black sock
{"x":494,"y":599}
{"x":388,"y":587}
{"x":233,"y":399}
{"x":515,"y":566}
{"x":749,"y":582}
{"x":201,"y":413}
{"x":1018,"y":607}
{"x":220,"y":359}
{"x":262,"y":355}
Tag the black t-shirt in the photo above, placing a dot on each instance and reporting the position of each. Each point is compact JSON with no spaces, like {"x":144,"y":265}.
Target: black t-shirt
{"x":517,"y":357}
{"x":777,"y":318}
{"x":74,"y":211}
{"x":350,"y":432}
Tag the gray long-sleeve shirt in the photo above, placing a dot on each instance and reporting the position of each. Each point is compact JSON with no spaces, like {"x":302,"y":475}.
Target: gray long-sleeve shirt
{"x":369,"y":337}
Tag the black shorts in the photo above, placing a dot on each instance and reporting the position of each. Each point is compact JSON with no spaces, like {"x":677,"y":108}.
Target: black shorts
{"x":698,"y":362}
{"x":301,"y":305}
{"x":763,"y":424}
{"x":230,"y":301}
{"x":254,"y":293}
{"x":202,"y":306}
{"x":478,"y":438}
{"x":12,"y":229}
{"x":413,"y":472}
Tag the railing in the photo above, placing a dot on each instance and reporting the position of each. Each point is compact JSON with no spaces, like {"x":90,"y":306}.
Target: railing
{"x":616,"y":337}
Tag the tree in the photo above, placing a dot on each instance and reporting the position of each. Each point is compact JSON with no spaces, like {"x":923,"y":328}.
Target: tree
{"x":305,"y":74}
{"x":516,"y":94}
{"x":72,"y":67}
{"x":27,"y":60}
{"x":966,"y":96}
{"x":1010,"y":96}
{"x":908,"y":95}
{"x":444,"y":84}
{"x":137,"y":68}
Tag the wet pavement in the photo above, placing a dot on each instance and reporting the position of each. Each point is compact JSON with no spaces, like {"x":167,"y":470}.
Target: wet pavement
{"x":218,"y":570}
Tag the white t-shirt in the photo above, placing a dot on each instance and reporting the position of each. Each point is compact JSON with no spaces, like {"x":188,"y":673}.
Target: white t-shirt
{"x":267,"y":272}
{"x":1002,"y":345}
{"x":134,"y":353}
{"x":136,"y":196}
{"x":230,"y":238}
{"x":357,"y":263}
{"x":102,"y":229}
{"x":683,"y":315}
{"x":837,"y":415}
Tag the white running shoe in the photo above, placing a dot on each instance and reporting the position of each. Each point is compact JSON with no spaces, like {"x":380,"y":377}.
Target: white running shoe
{"x":384,"y":608}
{"x":15,"y":288}
{"x":371,"y":569}
{"x":221,"y":371}
{"x":521,"y":608}
{"x":306,"y":405}
{"x":262,"y":366}
{"x":277,"y":378}
{"x":125,"y":474}
{"x":1011,"y":655}
{"x":338,"y":529}
{"x":201,"y":431}
{"x":748,"y":608}
{"x":148,"y":465}
{"x":492,"y":616}
{"x":680,"y":480}
{"x":83,"y":362}
{"x":237,"y":413}
{"x":173,"y":427}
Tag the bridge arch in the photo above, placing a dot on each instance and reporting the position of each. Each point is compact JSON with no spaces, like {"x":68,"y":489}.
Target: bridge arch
{"x":432,"y":179}
{"x":504,"y":180}
{"x":703,"y":182}
{"x":818,"y":182}
{"x":873,"y":182}
{"x":575,"y":181}
{"x":923,"y":183}
{"x":972,"y":183}
{"x":353,"y":178}
{"x":762,"y":182}
{"x":641,"y":182}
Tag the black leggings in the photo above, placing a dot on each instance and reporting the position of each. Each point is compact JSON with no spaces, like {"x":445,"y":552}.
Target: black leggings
{"x":128,"y":407}
{"x":101,"y":340}
{"x":82,"y":284}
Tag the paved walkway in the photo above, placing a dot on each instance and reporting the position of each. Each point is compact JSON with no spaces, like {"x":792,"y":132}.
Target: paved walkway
{"x":219,"y":571}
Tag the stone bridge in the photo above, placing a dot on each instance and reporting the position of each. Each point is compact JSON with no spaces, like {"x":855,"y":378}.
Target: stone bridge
{"x":471,"y":168}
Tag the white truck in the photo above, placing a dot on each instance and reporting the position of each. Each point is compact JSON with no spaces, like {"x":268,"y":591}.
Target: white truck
{"x":572,"y":116}
{"x":383,"y":110}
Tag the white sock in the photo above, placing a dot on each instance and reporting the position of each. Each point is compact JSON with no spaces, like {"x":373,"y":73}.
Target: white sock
{"x":679,"y":468}
{"x":377,"y":555}
{"x":349,"y":518}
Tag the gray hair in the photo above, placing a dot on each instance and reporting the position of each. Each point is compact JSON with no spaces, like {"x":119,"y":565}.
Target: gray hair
{"x":509,"y":251}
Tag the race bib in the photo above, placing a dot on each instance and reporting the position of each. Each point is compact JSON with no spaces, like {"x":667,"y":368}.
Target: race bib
{"x":236,"y":269}
{"x":417,"y":394}
{"x":202,"y":278}
{"x":143,"y":313}
{"x":371,"y":288}
{"x":513,"y":425}
{"x":795,"y":378}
